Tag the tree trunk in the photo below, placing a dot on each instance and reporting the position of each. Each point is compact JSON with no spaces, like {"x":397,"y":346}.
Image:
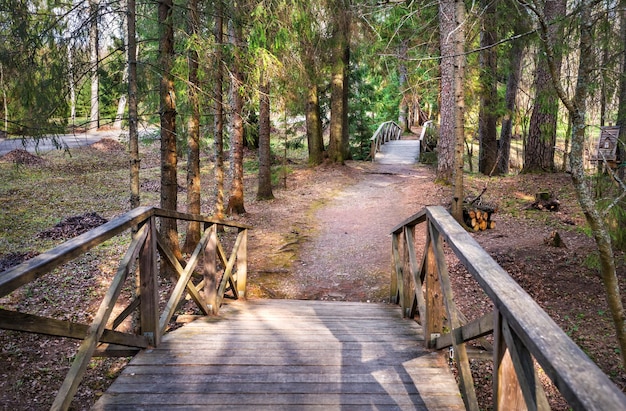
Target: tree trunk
{"x":577,"y":109}
{"x":236,"y":199}
{"x":539,"y":150}
{"x":585,"y":197}
{"x":94,"y":116}
{"x":403,"y":75}
{"x":71,"y":82}
{"x":458,"y":39}
{"x":264,"y":190}
{"x":337,"y":107}
{"x":193,"y":139}
{"x":169,"y":159}
{"x":487,"y":121}
{"x":314,"y":126}
{"x":121,"y":104}
{"x":446,"y":143}
{"x":621,"y":114}
{"x":515,"y":72}
{"x":346,"y":153}
{"x":218,"y":32}
{"x":133,"y":137}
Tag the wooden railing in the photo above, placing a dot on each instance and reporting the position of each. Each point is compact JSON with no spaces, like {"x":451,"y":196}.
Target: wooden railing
{"x":141,"y":256}
{"x":387,"y":131}
{"x":522,"y":332}
{"x":427,"y":124}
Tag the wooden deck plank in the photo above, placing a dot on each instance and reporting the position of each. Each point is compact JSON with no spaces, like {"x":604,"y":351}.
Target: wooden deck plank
{"x":286,"y":354}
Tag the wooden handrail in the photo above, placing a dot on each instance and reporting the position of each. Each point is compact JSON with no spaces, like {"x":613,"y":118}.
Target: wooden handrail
{"x":522,"y":330}
{"x":387,"y":131}
{"x":143,"y":248}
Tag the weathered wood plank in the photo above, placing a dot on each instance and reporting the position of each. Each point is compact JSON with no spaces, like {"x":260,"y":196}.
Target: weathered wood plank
{"x":183,"y":283}
{"x":12,"y":320}
{"x":414,"y":220}
{"x":460,"y":352}
{"x":290,"y":355}
{"x":242,"y":265}
{"x":95,"y":330}
{"x":416,"y":271}
{"x":475,"y":329}
{"x":580,"y":381}
{"x":279,"y":402}
{"x":159,"y":212}
{"x":179,"y":271}
{"x":32,"y":269}
{"x":148,"y":286}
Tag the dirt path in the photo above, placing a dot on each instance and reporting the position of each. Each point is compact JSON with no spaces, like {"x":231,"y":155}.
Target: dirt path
{"x":340,"y":247}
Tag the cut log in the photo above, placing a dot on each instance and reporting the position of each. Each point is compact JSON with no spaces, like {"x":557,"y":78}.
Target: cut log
{"x":478,"y":217}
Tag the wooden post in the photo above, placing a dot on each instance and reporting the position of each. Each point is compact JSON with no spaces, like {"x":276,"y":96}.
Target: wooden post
{"x":507,"y":394}
{"x":210,"y":272}
{"x":466,"y":380}
{"x":407,"y":290}
{"x":242,"y":264}
{"x":395,"y":270}
{"x":148,"y":286}
{"x":433,"y":319}
{"x":532,"y":390}
{"x":416,"y":274}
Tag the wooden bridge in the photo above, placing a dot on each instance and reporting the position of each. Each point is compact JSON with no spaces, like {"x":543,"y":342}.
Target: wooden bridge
{"x":390,"y":148}
{"x":289,"y":354}
{"x":271,"y":354}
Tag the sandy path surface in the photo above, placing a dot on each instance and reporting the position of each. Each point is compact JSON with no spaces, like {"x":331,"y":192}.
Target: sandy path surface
{"x":346,"y":251}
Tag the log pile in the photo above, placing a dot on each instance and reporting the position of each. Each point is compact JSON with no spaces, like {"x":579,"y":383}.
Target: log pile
{"x":479,"y":218}
{"x":478,"y":215}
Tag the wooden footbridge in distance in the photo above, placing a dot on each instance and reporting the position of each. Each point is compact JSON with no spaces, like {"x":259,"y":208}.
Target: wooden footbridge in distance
{"x":299,"y":355}
{"x":390,"y":147}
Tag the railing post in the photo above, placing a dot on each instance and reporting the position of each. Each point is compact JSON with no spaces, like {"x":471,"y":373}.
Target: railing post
{"x":210,"y":271}
{"x":433,"y":319}
{"x":395,"y":270}
{"x":148,"y":286}
{"x":242,"y":264}
{"x":407,"y":290}
{"x":507,"y":394}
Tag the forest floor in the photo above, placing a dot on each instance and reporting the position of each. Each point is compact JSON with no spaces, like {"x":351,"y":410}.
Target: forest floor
{"x":325,"y":236}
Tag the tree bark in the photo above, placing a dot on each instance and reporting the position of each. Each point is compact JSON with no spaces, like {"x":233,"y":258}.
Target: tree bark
{"x":94,"y":115}
{"x":487,"y":120}
{"x":314,"y":126}
{"x":336,"y":149}
{"x":621,"y":114}
{"x":539,"y":150}
{"x":459,"y":115}
{"x":133,"y":135}
{"x":264,"y":190}
{"x":577,"y":108}
{"x":346,"y":153}
{"x":121,"y":104}
{"x":193,"y":139}
{"x":236,"y":199}
{"x":169,"y":159}
{"x":403,"y":75}
{"x":585,"y":197}
{"x":506,"y":133}
{"x":218,"y":32}
{"x":446,"y":143}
